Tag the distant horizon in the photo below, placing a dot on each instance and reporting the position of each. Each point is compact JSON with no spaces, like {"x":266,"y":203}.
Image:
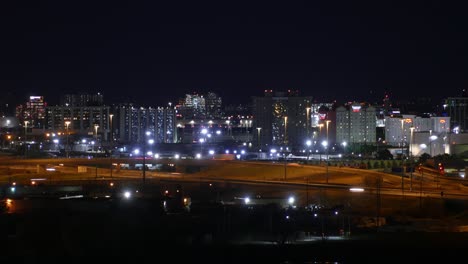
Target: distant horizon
{"x":54,"y":100}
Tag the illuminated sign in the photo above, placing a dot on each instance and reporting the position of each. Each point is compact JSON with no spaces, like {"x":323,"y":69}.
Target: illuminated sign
{"x":408,"y":120}
{"x":356,"y":108}
{"x":322,"y":116}
{"x":442,"y":121}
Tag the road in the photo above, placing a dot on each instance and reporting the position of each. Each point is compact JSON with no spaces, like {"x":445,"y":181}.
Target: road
{"x":287,"y":174}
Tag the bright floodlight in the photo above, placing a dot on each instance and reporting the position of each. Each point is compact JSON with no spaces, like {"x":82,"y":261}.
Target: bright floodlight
{"x":204,"y":131}
{"x":324,"y":143}
{"x":127,"y":194}
{"x":198,"y":156}
{"x":291,"y":200}
{"x":56,"y":141}
{"x":273,"y":150}
{"x":83,"y":141}
{"x":433,"y":137}
{"x":202,"y":140}
{"x":211,"y":152}
{"x":149,"y":153}
{"x":227,"y":151}
{"x":176,"y":156}
{"x":356,"y":189}
{"x":151,"y":141}
{"x":156,"y":156}
{"x":308,"y":143}
{"x":148,"y":133}
{"x":136,"y":151}
{"x":218,"y":132}
{"x":247,"y":200}
{"x":242,"y":152}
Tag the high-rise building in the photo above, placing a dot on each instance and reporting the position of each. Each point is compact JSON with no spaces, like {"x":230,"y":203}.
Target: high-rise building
{"x":196,"y":106}
{"x":213,"y":105}
{"x":424,"y":134}
{"x":356,"y":124}
{"x":135,"y":122}
{"x":83,"y":119}
{"x":280,"y":119}
{"x":32,"y":113}
{"x":82,"y":100}
{"x":457,"y":109}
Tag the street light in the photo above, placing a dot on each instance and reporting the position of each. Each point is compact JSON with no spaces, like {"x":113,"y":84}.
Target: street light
{"x":111,"y":143}
{"x":328,"y":121}
{"x":204,"y":131}
{"x":308,"y":143}
{"x":258,"y":134}
{"x":150,"y":141}
{"x":318,"y":138}
{"x":25,"y":138}
{"x":431,"y":138}
{"x":67,"y":124}
{"x":228,"y":127}
{"x":111,"y":128}
{"x":411,"y":156}
{"x":285,"y":130}
{"x":308,"y":117}
{"x":402,"y":166}
{"x":95,"y":131}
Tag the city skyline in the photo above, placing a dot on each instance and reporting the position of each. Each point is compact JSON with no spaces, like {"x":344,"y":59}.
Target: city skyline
{"x":150,"y":52}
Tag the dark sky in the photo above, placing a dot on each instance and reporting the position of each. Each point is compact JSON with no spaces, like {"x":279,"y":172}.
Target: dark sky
{"x":155,"y":52}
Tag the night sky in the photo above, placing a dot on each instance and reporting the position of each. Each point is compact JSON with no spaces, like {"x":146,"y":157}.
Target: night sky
{"x":153,"y":53}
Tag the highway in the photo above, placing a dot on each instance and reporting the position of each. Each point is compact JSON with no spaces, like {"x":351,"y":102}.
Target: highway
{"x":289,"y":175}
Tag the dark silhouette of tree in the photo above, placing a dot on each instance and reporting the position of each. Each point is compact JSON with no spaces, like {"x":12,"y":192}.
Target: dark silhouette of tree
{"x":384,"y":154}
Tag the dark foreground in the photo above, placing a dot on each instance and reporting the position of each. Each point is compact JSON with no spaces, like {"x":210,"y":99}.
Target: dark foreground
{"x":141,"y":231}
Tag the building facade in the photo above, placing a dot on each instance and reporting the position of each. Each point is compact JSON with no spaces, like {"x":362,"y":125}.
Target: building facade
{"x":32,"y":114}
{"x":356,"y":123}
{"x":83,"y":120}
{"x":281,"y":119}
{"x":457,"y":109}
{"x":135,"y":122}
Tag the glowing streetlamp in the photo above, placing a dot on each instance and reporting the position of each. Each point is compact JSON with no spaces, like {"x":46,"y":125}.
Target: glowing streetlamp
{"x":285,"y":130}
{"x":308,"y":144}
{"x":25,"y":137}
{"x":67,"y":124}
{"x":150,"y":141}
{"x":328,"y":121}
{"x":258,"y":134}
{"x":96,"y":131}
{"x":403,"y":167}
{"x":431,"y":138}
{"x":111,"y":128}
{"x":308,"y":117}
{"x":411,"y":157}
{"x":203,"y":139}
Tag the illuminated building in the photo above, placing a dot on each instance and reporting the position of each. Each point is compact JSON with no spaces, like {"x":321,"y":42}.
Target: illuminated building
{"x":195,"y":106}
{"x":457,"y":110}
{"x":134,"y":122}
{"x":356,"y":123}
{"x":82,"y":100}
{"x":281,"y":119}
{"x":33,"y":111}
{"x":82,"y":118}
